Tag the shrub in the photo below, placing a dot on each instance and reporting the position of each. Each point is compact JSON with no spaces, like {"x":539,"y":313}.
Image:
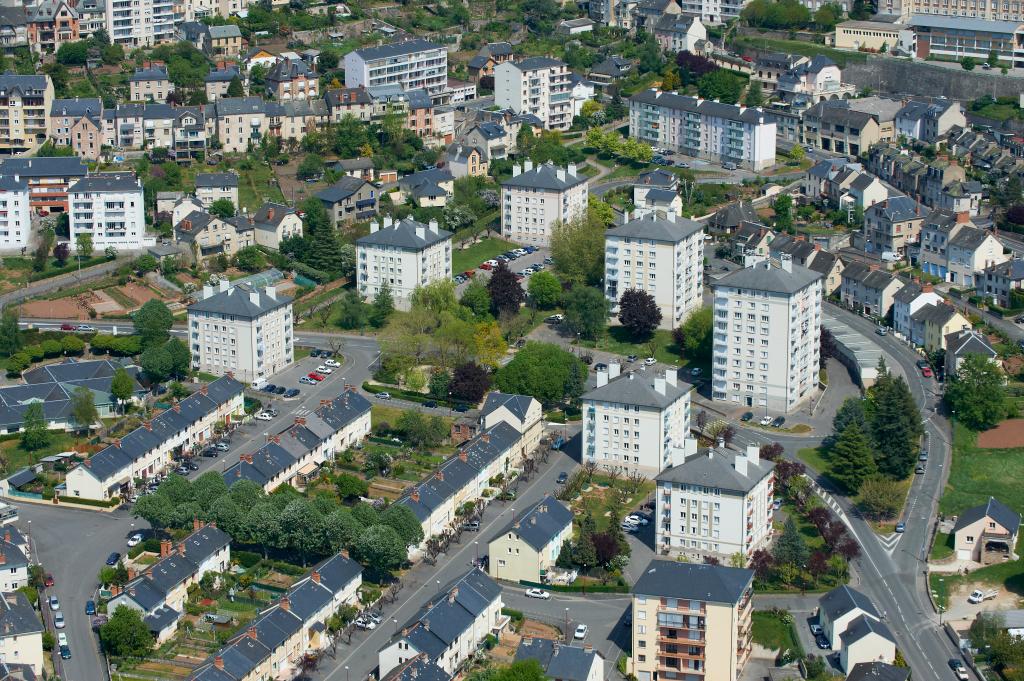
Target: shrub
{"x":246,"y":559}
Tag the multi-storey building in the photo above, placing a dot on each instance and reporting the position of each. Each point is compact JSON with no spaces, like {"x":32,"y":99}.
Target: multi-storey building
{"x":662,"y":255}
{"x":939,"y":183}
{"x":768,"y":68}
{"x":241,"y":330}
{"x":678,"y":33}
{"x":538,"y":86}
{"x":535,"y":198}
{"x":997,"y":282}
{"x":219,"y":80}
{"x":403,"y":256}
{"x":110,"y":208}
{"x":928,"y":121}
{"x":353,"y":101}
{"x":617,"y":13}
{"x":908,"y":300}
{"x":292,"y":79}
{"x":691,"y":620}
{"x":349,"y":199}
{"x":530,"y":543}
{"x":489,"y":56}
{"x":238,"y":122}
{"x":68,"y":129}
{"x":869,"y":289}
{"x":208,"y":235}
{"x":51,"y":23}
{"x":633,"y":421}
{"x":179,"y":129}
{"x":953,"y":248}
{"x":723,"y":133}
{"x":131,"y":22}
{"x":413,"y":64}
{"x":892,"y":224}
{"x":15,"y":214}
{"x":150,"y":83}
{"x":13,"y":27}
{"x":213,"y":186}
{"x":766,"y":335}
{"x":810,"y":82}
{"x":715,"y":504}
{"x":21,"y":637}
{"x":48,"y":179}
{"x":25,"y":103}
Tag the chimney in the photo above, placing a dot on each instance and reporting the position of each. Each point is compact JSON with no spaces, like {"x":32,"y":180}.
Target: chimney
{"x":181,"y":549}
{"x":270,"y":214}
{"x":527,"y":166}
{"x":560,"y":174}
{"x":614,"y":368}
{"x":344,"y":553}
{"x":671,"y":376}
{"x":271,"y":292}
{"x":516,"y":170}
{"x":671,"y":216}
{"x":374,"y":227}
{"x":659,"y":385}
{"x":224,"y":285}
{"x":421,"y":233}
{"x":218,"y":662}
{"x":196,"y":525}
{"x":740,"y":465}
{"x":927,"y":288}
{"x":315,"y":576}
{"x":463,"y":457}
{"x":300,"y":421}
{"x":602,"y":378}
{"x":754,"y":454}
{"x":963,"y":217}
{"x":817,"y":247}
{"x":149,"y":424}
{"x":252,"y":633}
{"x":286,"y":604}
{"x":165,"y":548}
{"x":786,"y":261}
{"x":247,"y":458}
{"x":433,"y":226}
{"x":873,"y":266}
{"x":388,"y":221}
{"x":453,"y":595}
{"x":176,"y":407}
{"x":485,"y":438}
{"x":254,"y":297}
{"x":572,"y":169}
{"x":131,"y":573}
{"x":117,"y":442}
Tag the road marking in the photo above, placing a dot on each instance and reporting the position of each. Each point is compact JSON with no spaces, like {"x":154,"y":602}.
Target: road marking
{"x":889,"y":542}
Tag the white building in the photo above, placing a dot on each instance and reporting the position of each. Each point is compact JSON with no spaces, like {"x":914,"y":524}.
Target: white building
{"x":539,"y":86}
{"x":241,"y":330}
{"x":131,"y":22}
{"x":907,"y":301}
{"x":404,"y":255}
{"x":723,"y":133}
{"x":715,"y":503}
{"x":767,"y":335}
{"x":213,"y":186}
{"x":413,"y":64}
{"x":662,"y":254}
{"x":110,"y":208}
{"x":21,"y":637}
{"x":15,"y":214}
{"x":535,"y":198}
{"x":634,"y":420}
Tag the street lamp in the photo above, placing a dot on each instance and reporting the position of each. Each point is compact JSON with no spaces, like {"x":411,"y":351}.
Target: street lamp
{"x":346,"y":673}
{"x":476,"y":545}
{"x":567,"y":625}
{"x":395,"y":620}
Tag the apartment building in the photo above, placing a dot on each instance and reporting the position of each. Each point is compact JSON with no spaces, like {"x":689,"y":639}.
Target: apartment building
{"x":148,"y":449}
{"x":538,"y":86}
{"x":617,"y":13}
{"x":76,"y":123}
{"x":715,"y":504}
{"x":412,"y":64}
{"x":450,"y":627}
{"x":402,"y":255}
{"x":997,"y":282}
{"x":48,"y":179}
{"x":529,"y":544}
{"x":891,"y":225}
{"x":110,"y":208}
{"x":238,"y":122}
{"x":662,"y":254}
{"x":51,"y":23}
{"x":343,"y":102}
{"x":691,"y":619}
{"x":211,"y":187}
{"x":348,"y":200}
{"x":21,"y":637}
{"x":906,"y":302}
{"x":928,"y":121}
{"x":15,"y":213}
{"x":26,"y":103}
{"x":150,"y":83}
{"x":839,"y":129}
{"x":712,"y":12}
{"x":723,"y":133}
{"x":295,"y":455}
{"x":767,"y":332}
{"x":536,"y":197}
{"x":869,"y":289}
{"x":241,"y":330}
{"x":291,"y":79}
{"x":633,"y":420}
{"x":179,"y":129}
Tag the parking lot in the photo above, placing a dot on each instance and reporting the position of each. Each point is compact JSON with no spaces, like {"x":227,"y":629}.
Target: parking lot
{"x":519,"y":265}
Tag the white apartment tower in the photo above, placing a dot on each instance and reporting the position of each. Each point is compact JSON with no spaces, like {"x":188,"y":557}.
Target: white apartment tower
{"x":412,"y":65}
{"x":404,"y":255}
{"x":662,"y":254}
{"x":15,"y":214}
{"x":241,"y":329}
{"x":535,"y":198}
{"x":132,"y":22}
{"x":538,"y":86}
{"x":723,"y":133}
{"x":634,"y":420}
{"x":109,"y":207}
{"x":715,"y":503}
{"x":767,"y":333}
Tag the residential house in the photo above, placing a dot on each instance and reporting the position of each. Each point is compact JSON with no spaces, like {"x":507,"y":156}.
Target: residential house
{"x":939,"y":227}
{"x":272,"y":223}
{"x":150,"y":83}
{"x":522,"y":412}
{"x":361,"y":168}
{"x":418,"y":668}
{"x":998,"y":282}
{"x":528,"y":546}
{"x":76,"y":123}
{"x":927,"y":122}
{"x":463,"y":160}
{"x":839,"y":608}
{"x":986,"y":533}
{"x":52,"y":23}
{"x":768,"y":68}
{"x":892,"y":224}
{"x":817,"y":178}
{"x":659,"y":181}
{"x":869,"y":289}
{"x":427,"y":188}
{"x":489,"y":56}
{"x":13,"y":27}
{"x":805,"y":254}
{"x":349,"y":101}
{"x":223,"y":41}
{"x":679,"y":33}
{"x":933,"y":322}
{"x":840,"y":129}
{"x":866,"y":640}
{"x":970,"y":251}
{"x":907,"y":301}
{"x":961,"y":344}
{"x":578,"y":26}
{"x":562,"y":662}
{"x":581,"y":91}
{"x":728,"y":219}
{"x":852,"y":189}
{"x":939,"y":183}
{"x":349,"y":200}
{"x":211,"y":187}
{"x":14,"y":562}
{"x":21,"y":638}
{"x":877,"y":671}
{"x":219,"y":80}
{"x":494,"y":140}
{"x":207,"y":235}
{"x":535,"y":198}
{"x":291,"y":79}
{"x":751,"y":239}
{"x":609,"y":70}
{"x":812,"y":81}
{"x":402,"y":256}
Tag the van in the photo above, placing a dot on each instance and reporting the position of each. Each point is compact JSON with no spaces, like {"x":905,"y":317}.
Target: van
{"x":729,"y":165}
{"x":259,"y":383}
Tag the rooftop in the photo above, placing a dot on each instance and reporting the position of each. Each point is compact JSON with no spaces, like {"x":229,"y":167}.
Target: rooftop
{"x":407,"y":234}
{"x":770,"y":276}
{"x":242,"y":300}
{"x":694,"y":581}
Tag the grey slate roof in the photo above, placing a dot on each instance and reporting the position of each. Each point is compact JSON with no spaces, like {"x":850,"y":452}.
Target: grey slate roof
{"x":224,"y":31}
{"x":769,"y":276}
{"x":694,"y":581}
{"x":237,"y":301}
{"x":155,"y":72}
{"x":633,"y":389}
{"x":717,"y":469}
{"x":44,"y":166}
{"x":222,"y":75}
{"x":419,"y":668}
{"x":238,"y":106}
{"x":842,"y":600}
{"x":969,"y":238}
{"x":288,"y":70}
{"x":342,"y":189}
{"x":970,"y":342}
{"x":671,"y":228}
{"x":994,"y":509}
{"x":897,"y":209}
{"x":107,"y":182}
{"x":402,"y":234}
{"x":934,"y":314}
{"x":76,"y":107}
{"x":9,"y":184}
{"x":563,"y":662}
{"x":735,"y":214}
{"x":874,"y":279}
{"x":544,"y":521}
{"x":545,"y":176}
{"x":658,"y":178}
{"x":706,"y":107}
{"x":519,"y":405}
{"x":908,"y":293}
{"x":878,"y":671}
{"x":532,"y":63}
{"x":17,"y":616}
{"x":216,"y":180}
{"x":396,"y":49}
{"x":863,"y":626}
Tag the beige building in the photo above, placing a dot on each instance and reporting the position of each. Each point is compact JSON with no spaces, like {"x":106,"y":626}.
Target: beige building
{"x":403,"y":255}
{"x":213,"y":186}
{"x":933,"y":322}
{"x":522,"y":412}
{"x":21,"y":637}
{"x":207,"y":235}
{"x":76,"y":123}
{"x":987,"y":533}
{"x":839,"y":608}
{"x":529,"y":544}
{"x":691,"y":619}
{"x":892,"y":224}
{"x":242,"y":330}
{"x":535,"y":198}
{"x":151,"y":83}
{"x":271,"y":224}
{"x":27,"y":101}
{"x":873,"y":35}
{"x":866,"y":640}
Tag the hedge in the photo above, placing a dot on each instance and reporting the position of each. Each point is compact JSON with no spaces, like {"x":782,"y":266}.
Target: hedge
{"x":113,"y":502}
{"x":316,"y":275}
{"x":70,"y":267}
{"x":574,"y":588}
{"x":247,"y":559}
{"x":406,"y":394}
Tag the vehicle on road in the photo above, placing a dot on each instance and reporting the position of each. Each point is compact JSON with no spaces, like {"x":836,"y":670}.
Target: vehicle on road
{"x":471,"y":526}
{"x":923,"y":456}
{"x":54,"y":603}
{"x":58,"y":621}
{"x":563,"y":477}
{"x":383,"y":396}
{"x":48,"y":580}
{"x":901,"y":528}
{"x":979,"y":596}
{"x":538,"y":593}
{"x":65,"y":653}
{"x":650,"y":361}
{"x":822,"y":642}
{"x":922,"y":363}
{"x":926,"y":372}
{"x":67,"y":327}
{"x":291,"y":392}
{"x":363,"y":623}
{"x":222,"y":446}
{"x":881,"y":331}
{"x":90,"y":608}
{"x":747,"y":416}
{"x":778,"y":421}
{"x":765,"y":421}
{"x":581,"y":632}
{"x":958,"y":669}
{"x":333,"y":363}
{"x":325,"y":370}
{"x":816,"y":630}
{"x":62,"y":639}
{"x":85,"y":328}
{"x":461,"y":408}
{"x":637,"y":518}
{"x":264,"y":416}
{"x":113,"y":558}
{"x":919,"y":470}
{"x":133,"y":540}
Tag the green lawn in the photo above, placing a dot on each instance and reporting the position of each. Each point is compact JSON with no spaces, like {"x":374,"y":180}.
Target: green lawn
{"x":619,"y":341}
{"x":470,"y":258}
{"x":773,"y":633}
{"x":943,"y":546}
{"x":813,"y":458}
{"x":255,"y":186}
{"x":977,"y":474}
{"x":15,"y":457}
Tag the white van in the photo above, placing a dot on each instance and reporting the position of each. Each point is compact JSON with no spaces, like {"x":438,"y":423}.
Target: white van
{"x":259,"y":383}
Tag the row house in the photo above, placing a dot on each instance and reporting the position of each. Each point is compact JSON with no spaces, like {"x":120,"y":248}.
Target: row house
{"x":52,"y":23}
{"x":892,"y":224}
{"x":953,"y":249}
{"x":678,"y":33}
{"x":179,"y":129}
{"x":150,"y":83}
{"x":522,"y":412}
{"x":907,"y":301}
{"x":932,"y":323}
{"x":291,"y":79}
{"x":148,"y":450}
{"x":982,"y":151}
{"x":927,"y":121}
{"x":940,"y":183}
{"x":78,"y":123}
{"x":869,"y":289}
{"x":529,"y":544}
{"x":349,"y":101}
{"x":48,"y":179}
{"x":997,"y":282}
{"x":13,"y":28}
{"x":296,"y":454}
{"x":21,"y":638}
{"x":854,"y":627}
{"x":851,"y":188}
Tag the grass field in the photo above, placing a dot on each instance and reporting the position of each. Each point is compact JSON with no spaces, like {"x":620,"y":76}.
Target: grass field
{"x":943,"y":546}
{"x":470,"y":258}
{"x":600,"y":500}
{"x":977,"y":474}
{"x":16,"y":457}
{"x":813,"y":458}
{"x":618,"y":340}
{"x":773,"y":633}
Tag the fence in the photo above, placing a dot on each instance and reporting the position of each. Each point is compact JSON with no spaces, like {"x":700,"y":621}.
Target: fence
{"x":24,"y":495}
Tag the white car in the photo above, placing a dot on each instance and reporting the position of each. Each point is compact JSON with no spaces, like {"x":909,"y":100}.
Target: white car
{"x":765,"y":421}
{"x":650,"y":361}
{"x":62,"y":639}
{"x":581,"y":632}
{"x":324,"y":370}
{"x":134,"y":540}
{"x":637,"y":518}
{"x":364,"y":623}
{"x":538,"y":593}
{"x":58,"y":620}
{"x":54,"y":603}
{"x":519,"y":251}
{"x":332,"y":363}
{"x":264,"y":416}
{"x":492,"y":263}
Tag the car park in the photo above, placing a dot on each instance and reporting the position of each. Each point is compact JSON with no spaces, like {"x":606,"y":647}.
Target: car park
{"x":133,"y":540}
{"x":324,"y":369}
{"x":383,"y":396}
{"x":581,"y":632}
{"x":291,"y":392}
{"x":538,"y":593}
{"x":778,"y":421}
{"x":747,"y":416}
{"x":65,"y":653}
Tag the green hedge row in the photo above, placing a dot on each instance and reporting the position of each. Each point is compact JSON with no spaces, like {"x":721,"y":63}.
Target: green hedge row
{"x":574,"y":588}
{"x":114,"y":501}
{"x":405,"y":394}
{"x":70,"y":267}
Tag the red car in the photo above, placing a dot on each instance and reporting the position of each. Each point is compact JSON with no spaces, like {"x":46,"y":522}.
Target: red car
{"x":48,"y":580}
{"x":926,"y":372}
{"x":485,"y":266}
{"x":315,"y":376}
{"x":67,"y":327}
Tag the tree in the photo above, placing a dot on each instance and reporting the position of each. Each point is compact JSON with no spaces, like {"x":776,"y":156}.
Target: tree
{"x":976,"y":392}
{"x":586,"y":311}
{"x":380,"y":549}
{"x":850,"y":411}
{"x":223,"y":208}
{"x":722,"y":85}
{"x":895,"y":425}
{"x":401,"y":518}
{"x":73,"y":54}
{"x":880,"y":498}
{"x":968,"y":63}
{"x":439,"y":383}
{"x":545,"y":290}
{"x":324,"y":251}
{"x":505,"y":292}
{"x":121,"y":385}
{"x":235,"y":88}
{"x":477,"y":299}
{"x":754,"y":96}
{"x":490,"y":345}
{"x":577,"y":246}
{"x":545,"y":371}
{"x":783,"y":207}
{"x":852,"y":460}
{"x":181,"y":357}
{"x":639,"y":312}
{"x":146,"y":263}
{"x":350,"y":487}
{"x":83,"y":408}
{"x":61,"y":252}
{"x":34,"y":434}
{"x":457,"y":216}
{"x":470,"y":382}
{"x":250,"y":259}
{"x":827,"y":345}
{"x":83,"y":245}
{"x":10,"y":338}
{"x":382,"y":307}
{"x":156,"y":362}
{"x":125,"y":634}
{"x":153,"y":323}
{"x":697,"y":335}
{"x":791,"y":549}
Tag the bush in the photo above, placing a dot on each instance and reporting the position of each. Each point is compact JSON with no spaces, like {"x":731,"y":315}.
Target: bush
{"x":246,"y":559}
{"x":114,"y":501}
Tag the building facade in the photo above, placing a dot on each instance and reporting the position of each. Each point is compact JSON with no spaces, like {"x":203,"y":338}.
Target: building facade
{"x":536,"y":197}
{"x":528,"y":546}
{"x":412,"y":64}
{"x":110,"y":208}
{"x":538,"y":86}
{"x":15,"y":213}
{"x":27,"y":101}
{"x":403,"y":256}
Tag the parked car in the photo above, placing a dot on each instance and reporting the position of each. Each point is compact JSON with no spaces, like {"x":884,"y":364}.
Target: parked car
{"x":133,"y":540}
{"x":363,"y":623}
{"x":85,"y":328}
{"x":695,"y":371}
{"x":555,"y":319}
{"x":563,"y":477}
{"x":332,"y":363}
{"x":291,"y":392}
{"x":486,"y":266}
{"x":279,"y":390}
{"x":315,"y":352}
{"x":881,"y":331}
{"x":822,"y":642}
{"x":264,"y":416}
{"x":650,"y":361}
{"x":383,"y":396}
{"x":631,"y":358}
{"x":65,"y":653}
{"x":268,"y":388}
{"x":923,"y":456}
{"x":58,"y":621}
{"x":55,"y":604}
{"x":48,"y":579}
{"x":637,"y":518}
{"x":324,"y":369}
{"x":922,"y":363}
{"x":958,"y":669}
{"x":778,"y":421}
{"x":926,"y":372}
{"x":222,"y":446}
{"x":113,"y":558}
{"x":430,"y":404}
{"x":816,"y":630}
{"x":374,"y":617}
{"x":461,"y":408}
{"x":538,"y":593}
{"x":309,"y":381}
{"x":471,"y":526}
{"x":191,"y":465}
{"x":901,"y":528}
{"x":62,"y":639}
{"x":581,"y":632}
{"x":747,"y":416}
{"x":90,"y":608}
{"x":766,"y":420}
{"x":315,"y":376}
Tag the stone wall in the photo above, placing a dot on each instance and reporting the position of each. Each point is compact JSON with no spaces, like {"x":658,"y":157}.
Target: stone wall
{"x":886,"y":75}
